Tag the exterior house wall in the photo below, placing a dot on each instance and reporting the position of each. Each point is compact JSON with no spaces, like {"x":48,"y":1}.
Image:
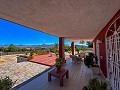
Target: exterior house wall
{"x":102,"y":46}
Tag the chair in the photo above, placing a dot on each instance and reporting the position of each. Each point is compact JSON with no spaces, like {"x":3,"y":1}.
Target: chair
{"x":79,"y":58}
{"x":74,"y":58}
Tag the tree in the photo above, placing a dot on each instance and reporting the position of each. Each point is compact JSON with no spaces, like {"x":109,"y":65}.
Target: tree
{"x":55,"y":49}
{"x":83,"y":48}
{"x":12,"y":48}
{"x":2,"y":49}
{"x":55,"y":46}
{"x":77,"y":49}
{"x":67,"y":49}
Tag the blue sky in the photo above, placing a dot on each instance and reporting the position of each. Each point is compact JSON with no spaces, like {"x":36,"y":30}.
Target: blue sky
{"x":11,"y":33}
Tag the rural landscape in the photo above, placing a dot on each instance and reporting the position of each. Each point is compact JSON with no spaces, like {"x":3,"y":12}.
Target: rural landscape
{"x":22,"y":62}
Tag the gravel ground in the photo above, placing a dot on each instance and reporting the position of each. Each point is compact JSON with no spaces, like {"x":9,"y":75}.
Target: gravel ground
{"x":19,"y":71}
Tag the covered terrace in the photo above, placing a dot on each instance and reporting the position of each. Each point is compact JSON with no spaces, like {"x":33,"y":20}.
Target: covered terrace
{"x":79,"y":75}
{"x":75,"y":20}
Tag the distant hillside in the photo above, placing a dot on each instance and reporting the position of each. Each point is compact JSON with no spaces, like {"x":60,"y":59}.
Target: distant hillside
{"x":43,"y":45}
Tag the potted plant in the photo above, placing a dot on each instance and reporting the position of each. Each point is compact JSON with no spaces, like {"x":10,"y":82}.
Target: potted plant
{"x":95,"y":84}
{"x":88,"y":61}
{"x":59,"y":62}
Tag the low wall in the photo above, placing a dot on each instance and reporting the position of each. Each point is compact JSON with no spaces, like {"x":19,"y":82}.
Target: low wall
{"x":21,"y":59}
{"x":10,"y":53}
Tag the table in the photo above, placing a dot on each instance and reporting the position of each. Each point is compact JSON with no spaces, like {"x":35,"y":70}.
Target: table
{"x":58,"y":75}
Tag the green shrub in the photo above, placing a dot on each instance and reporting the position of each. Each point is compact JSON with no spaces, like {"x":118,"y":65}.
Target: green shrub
{"x":95,"y":84}
{"x":6,"y":83}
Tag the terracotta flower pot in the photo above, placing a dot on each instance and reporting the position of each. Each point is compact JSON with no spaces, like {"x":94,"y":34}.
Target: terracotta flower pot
{"x":58,"y":69}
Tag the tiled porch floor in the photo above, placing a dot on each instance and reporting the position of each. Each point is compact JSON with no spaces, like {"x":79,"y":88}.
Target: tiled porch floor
{"x":79,"y":75}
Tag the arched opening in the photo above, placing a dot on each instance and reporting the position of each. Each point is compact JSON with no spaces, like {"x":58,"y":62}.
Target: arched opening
{"x":113,"y":54}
